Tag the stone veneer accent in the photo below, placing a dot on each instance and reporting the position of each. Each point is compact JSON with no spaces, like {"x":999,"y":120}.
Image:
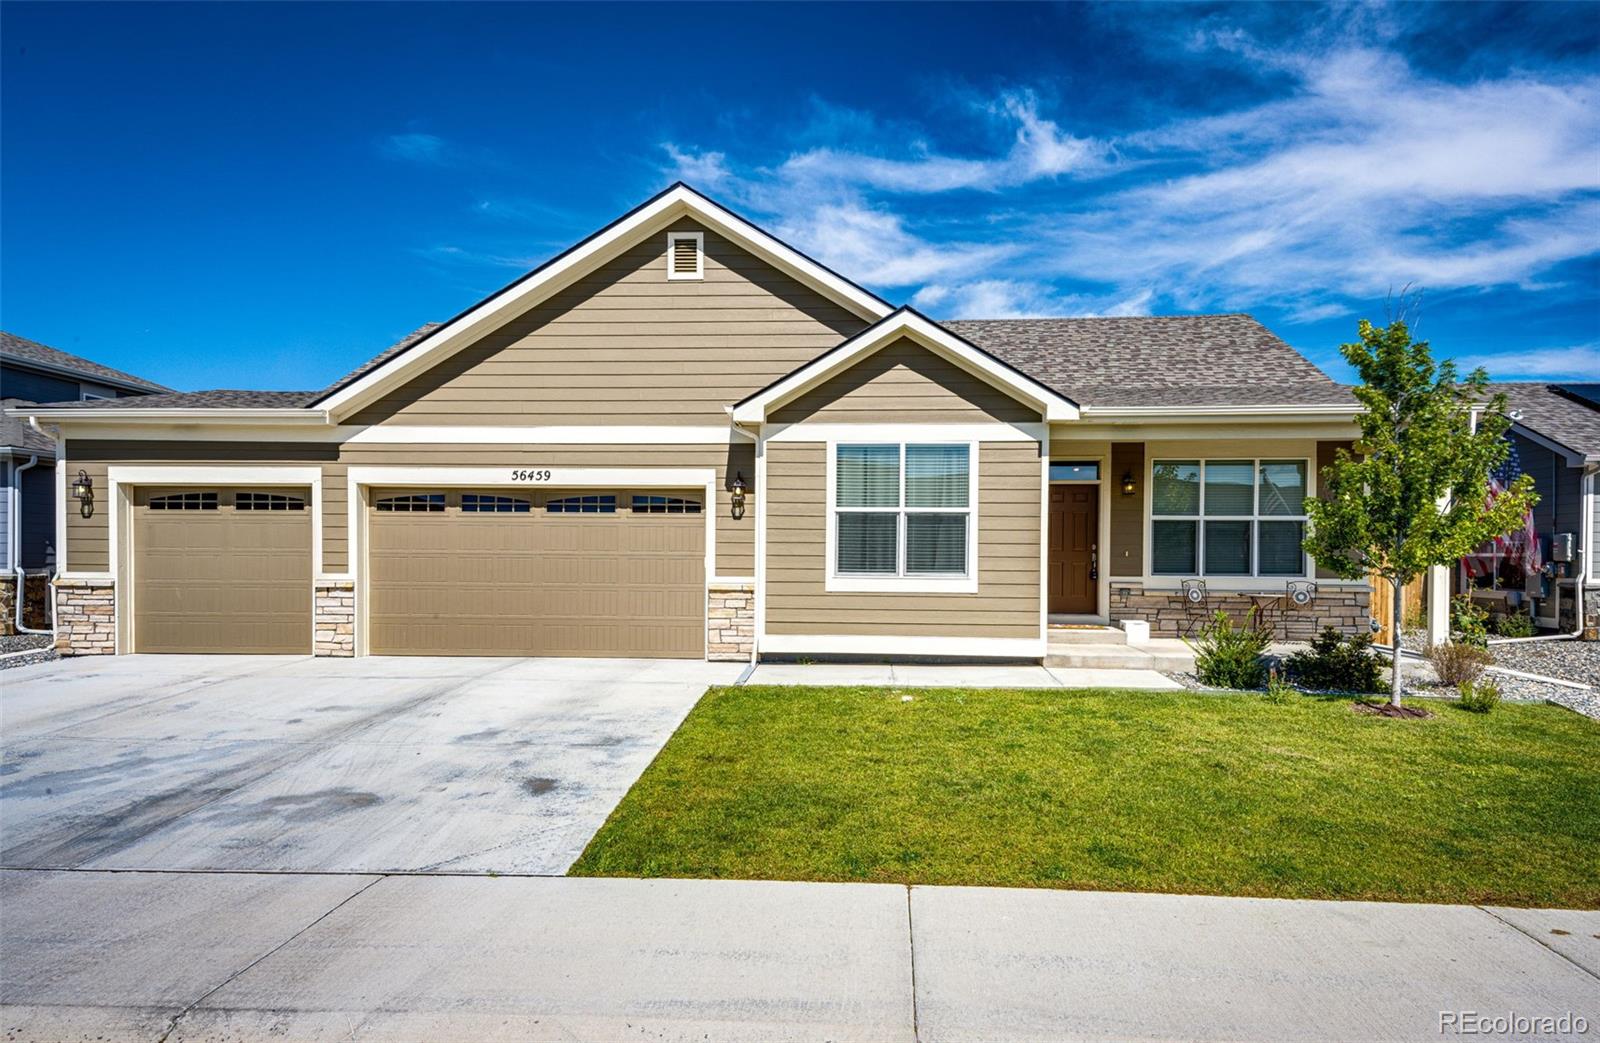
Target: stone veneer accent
{"x":1343,"y":608}
{"x":86,"y":617}
{"x":8,"y":605}
{"x":334,"y":623}
{"x":731,"y":622}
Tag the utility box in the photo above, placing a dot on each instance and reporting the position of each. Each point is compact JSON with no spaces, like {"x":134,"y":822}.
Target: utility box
{"x":1561,"y":546}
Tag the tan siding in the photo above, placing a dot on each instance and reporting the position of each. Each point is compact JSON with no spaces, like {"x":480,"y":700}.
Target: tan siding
{"x":625,"y":345}
{"x":1127,"y":512}
{"x":905,"y":382}
{"x":88,"y":549}
{"x":1006,"y":604}
{"x":735,"y":538}
{"x":1325,"y":457}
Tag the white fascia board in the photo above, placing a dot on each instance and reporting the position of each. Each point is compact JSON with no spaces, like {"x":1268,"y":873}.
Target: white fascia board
{"x":935,"y":338}
{"x":1268,"y":412}
{"x":1572,"y":457}
{"x":680,"y":201}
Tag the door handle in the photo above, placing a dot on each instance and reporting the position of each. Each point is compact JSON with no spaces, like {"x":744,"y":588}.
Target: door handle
{"x":1094,"y":564}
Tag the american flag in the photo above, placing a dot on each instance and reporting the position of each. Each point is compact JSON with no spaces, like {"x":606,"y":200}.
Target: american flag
{"x":1520,"y":546}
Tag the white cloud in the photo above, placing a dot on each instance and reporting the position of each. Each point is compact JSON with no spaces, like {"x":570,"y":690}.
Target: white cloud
{"x":1580,"y":362}
{"x":1019,"y":299}
{"x":415,"y":148}
{"x":706,"y":171}
{"x":875,"y":247}
{"x":1361,"y":175}
{"x":1039,"y":149}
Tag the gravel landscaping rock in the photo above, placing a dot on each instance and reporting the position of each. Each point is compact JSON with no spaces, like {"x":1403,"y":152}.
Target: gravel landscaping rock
{"x":1569,"y":660}
{"x":25,"y":642}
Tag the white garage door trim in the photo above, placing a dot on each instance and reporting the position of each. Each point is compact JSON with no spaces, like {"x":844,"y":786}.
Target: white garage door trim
{"x":361,"y":479}
{"x":121,"y":477}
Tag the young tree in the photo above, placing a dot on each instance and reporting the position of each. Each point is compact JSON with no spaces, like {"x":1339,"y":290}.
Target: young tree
{"x":1417,"y":492}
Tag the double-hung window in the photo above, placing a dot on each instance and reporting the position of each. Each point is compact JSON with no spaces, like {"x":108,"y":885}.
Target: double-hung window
{"x":901,"y":517}
{"x":1228,"y":518}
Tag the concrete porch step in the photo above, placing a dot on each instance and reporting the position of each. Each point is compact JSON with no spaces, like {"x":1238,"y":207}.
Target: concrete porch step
{"x":1086,"y":635}
{"x":1164,"y":654}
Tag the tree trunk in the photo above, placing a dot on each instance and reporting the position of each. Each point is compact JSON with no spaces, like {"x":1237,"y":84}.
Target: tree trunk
{"x":1398,"y":591}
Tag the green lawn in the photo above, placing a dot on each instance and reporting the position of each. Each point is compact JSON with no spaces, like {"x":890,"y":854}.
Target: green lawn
{"x":1110,"y":790}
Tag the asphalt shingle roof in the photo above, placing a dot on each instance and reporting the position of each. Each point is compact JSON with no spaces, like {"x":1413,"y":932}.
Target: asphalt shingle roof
{"x":219,"y":399}
{"x":1162,"y":360}
{"x":379,"y":359}
{"x":16,"y":434}
{"x":1558,"y":417}
{"x":24,"y":350}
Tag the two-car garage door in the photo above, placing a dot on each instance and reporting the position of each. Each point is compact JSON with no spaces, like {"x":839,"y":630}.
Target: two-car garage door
{"x":450,"y":572}
{"x":559,"y":573}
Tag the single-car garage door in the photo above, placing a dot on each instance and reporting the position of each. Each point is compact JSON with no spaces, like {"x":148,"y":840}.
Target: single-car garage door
{"x":221,"y":570}
{"x":557,"y":573}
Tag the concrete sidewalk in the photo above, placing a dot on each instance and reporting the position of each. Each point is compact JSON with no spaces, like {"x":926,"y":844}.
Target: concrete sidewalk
{"x":242,"y":956}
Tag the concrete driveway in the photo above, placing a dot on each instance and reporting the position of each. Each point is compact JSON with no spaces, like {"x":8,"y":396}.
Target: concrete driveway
{"x":325,"y":765}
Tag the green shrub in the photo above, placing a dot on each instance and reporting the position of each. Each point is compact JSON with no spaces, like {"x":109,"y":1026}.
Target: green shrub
{"x":1479,"y":696}
{"x":1468,"y":622}
{"x":1335,"y":663}
{"x":1229,"y":656}
{"x":1514,"y":624}
{"x":1278,"y":690}
{"x":1458,"y":664}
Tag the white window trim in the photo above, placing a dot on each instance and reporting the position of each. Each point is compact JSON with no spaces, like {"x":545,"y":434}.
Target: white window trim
{"x":1241,"y":581}
{"x":901,"y":583}
{"x":699,"y":240}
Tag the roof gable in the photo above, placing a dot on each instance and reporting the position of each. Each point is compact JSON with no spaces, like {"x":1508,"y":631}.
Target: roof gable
{"x":30,"y":353}
{"x":650,"y":217}
{"x":906,"y":324}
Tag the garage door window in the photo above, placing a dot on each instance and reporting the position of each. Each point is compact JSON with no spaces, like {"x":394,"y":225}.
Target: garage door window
{"x":582,"y":505}
{"x":665,"y":505}
{"x":414,"y":503}
{"x":184,"y":502}
{"x":475,"y":503}
{"x":267,"y":502}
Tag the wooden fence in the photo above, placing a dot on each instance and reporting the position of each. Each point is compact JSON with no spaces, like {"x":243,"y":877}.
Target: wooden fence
{"x":1383,"y":606}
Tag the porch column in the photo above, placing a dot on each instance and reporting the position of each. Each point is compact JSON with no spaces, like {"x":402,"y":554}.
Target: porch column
{"x":1437,"y":593}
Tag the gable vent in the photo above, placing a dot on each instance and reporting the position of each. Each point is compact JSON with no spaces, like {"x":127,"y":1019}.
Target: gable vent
{"x":685,"y":255}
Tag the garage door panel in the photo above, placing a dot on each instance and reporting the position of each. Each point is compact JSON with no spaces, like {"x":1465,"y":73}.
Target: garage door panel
{"x":221,"y":580}
{"x":537,"y":583}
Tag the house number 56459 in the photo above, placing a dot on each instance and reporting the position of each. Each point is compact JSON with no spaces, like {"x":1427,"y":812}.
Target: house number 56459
{"x":542,"y":475}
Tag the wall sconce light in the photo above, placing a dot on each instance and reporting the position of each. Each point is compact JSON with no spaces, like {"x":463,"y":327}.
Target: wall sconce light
{"x":1127,"y":483}
{"x":83,"y":492}
{"x":737,"y":488}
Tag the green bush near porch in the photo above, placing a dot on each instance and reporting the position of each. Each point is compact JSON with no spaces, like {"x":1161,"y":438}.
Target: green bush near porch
{"x":1111,"y":790}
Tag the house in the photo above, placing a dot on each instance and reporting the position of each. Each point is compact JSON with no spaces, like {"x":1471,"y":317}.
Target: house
{"x":1555,"y":437}
{"x":34,"y":372}
{"x":683,"y":438}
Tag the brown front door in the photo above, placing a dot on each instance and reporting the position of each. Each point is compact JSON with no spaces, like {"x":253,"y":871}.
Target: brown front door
{"x":1074,"y":522}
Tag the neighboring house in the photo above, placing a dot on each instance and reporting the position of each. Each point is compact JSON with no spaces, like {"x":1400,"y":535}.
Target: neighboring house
{"x":683,"y":438}
{"x":33,"y":372}
{"x":1555,"y":434}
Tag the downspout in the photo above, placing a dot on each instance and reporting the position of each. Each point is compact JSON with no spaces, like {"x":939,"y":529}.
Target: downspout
{"x":14,"y":537}
{"x":1585,"y":553}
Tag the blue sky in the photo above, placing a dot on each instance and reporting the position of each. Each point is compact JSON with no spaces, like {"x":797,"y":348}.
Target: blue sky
{"x":265,"y":195}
